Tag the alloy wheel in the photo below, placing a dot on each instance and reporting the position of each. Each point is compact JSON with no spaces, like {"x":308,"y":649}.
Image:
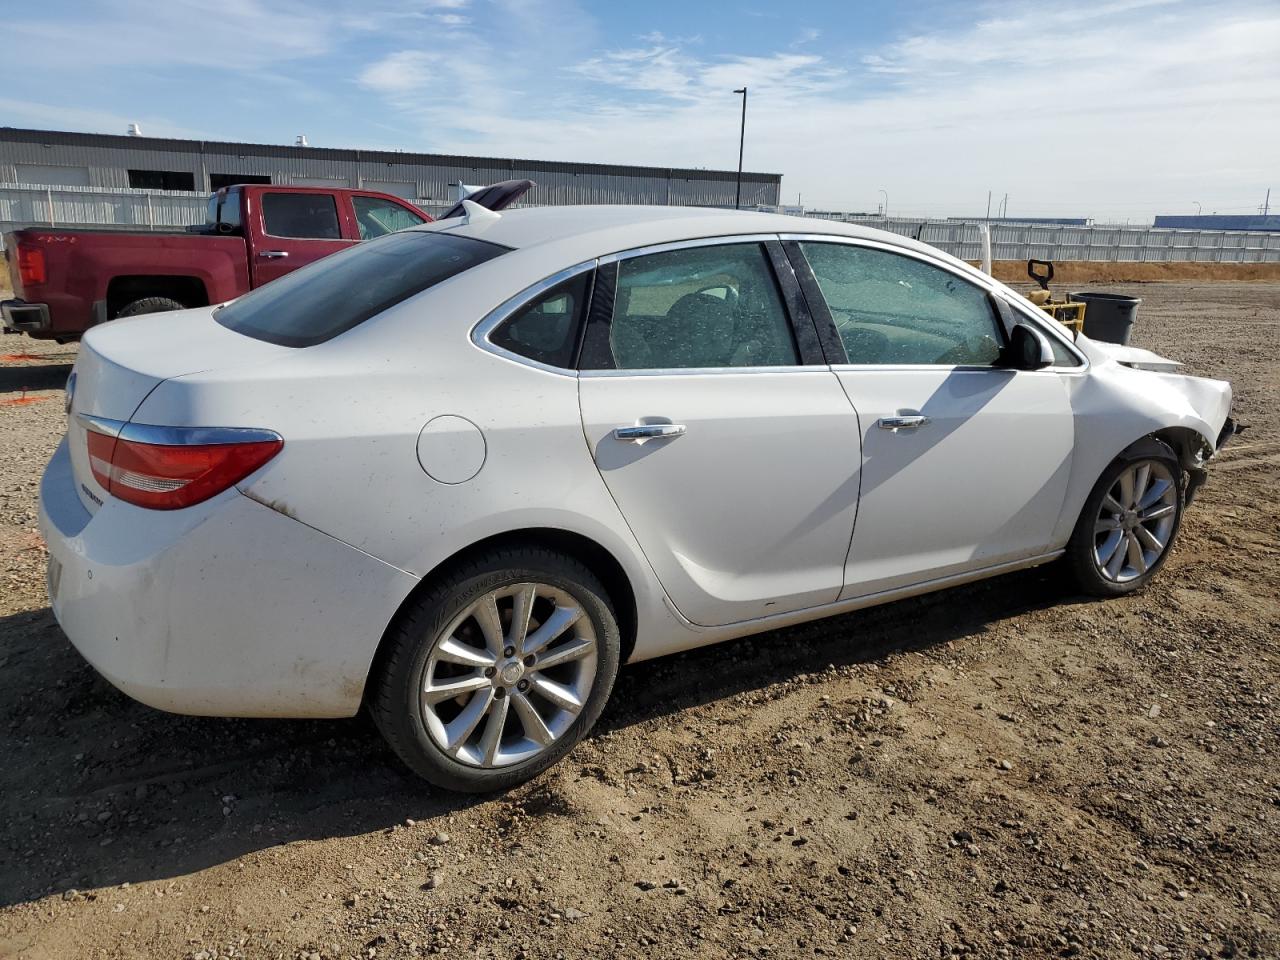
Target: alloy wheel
{"x":509,"y":675}
{"x":1135,"y":521}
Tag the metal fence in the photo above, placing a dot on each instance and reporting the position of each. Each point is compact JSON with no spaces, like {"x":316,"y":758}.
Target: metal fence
{"x":1099,"y":242}
{"x":28,"y":205}
{"x":31,"y":205}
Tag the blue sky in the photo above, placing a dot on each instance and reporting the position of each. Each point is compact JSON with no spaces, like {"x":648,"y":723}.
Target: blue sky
{"x":1115,"y":109}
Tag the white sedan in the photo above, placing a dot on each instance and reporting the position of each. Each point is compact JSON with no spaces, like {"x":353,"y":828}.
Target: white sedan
{"x":459,"y":474}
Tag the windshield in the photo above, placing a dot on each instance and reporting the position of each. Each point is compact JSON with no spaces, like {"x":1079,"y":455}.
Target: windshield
{"x":330,"y":296}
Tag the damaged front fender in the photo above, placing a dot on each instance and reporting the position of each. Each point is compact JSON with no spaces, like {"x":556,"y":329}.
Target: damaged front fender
{"x":1129,"y":394}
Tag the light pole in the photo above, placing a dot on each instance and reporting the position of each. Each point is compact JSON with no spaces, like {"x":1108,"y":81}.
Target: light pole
{"x":742,"y":138}
{"x":1197,"y":203}
{"x":886,"y":202}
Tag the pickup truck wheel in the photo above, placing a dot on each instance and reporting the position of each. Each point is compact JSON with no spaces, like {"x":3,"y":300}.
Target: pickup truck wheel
{"x":150,"y":305}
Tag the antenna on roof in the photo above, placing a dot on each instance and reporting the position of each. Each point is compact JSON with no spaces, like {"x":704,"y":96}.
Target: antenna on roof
{"x":301,"y":141}
{"x":474,"y":213}
{"x":135,"y":130}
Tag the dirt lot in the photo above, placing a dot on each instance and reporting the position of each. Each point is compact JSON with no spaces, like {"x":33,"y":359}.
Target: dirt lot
{"x":997,"y":770}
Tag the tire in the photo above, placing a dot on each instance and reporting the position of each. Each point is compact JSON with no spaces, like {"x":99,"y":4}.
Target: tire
{"x":1090,"y":541}
{"x":149,"y":305}
{"x":437,"y":643}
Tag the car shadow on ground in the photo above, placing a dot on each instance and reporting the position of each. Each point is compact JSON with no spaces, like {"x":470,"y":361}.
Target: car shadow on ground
{"x":96,"y":789}
{"x":50,"y":373}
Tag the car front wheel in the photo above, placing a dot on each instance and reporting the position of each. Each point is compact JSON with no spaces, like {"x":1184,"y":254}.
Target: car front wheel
{"x":498,"y":670}
{"x":1128,"y":524}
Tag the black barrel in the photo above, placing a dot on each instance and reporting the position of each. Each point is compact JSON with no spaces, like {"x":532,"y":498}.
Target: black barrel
{"x":1108,"y":316}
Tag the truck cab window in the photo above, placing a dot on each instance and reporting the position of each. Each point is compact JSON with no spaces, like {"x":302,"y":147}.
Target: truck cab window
{"x":304,"y":216}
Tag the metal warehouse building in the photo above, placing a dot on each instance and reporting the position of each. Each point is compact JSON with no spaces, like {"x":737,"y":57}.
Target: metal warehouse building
{"x":99,"y":163}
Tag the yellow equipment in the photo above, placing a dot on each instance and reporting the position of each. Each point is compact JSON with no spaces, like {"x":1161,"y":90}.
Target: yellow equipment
{"x":1070,"y":315}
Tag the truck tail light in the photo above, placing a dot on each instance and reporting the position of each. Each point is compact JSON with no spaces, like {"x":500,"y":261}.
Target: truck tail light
{"x":167,"y":468}
{"x":31,"y":269}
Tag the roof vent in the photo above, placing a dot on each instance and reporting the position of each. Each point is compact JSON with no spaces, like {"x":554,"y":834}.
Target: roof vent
{"x":301,"y":141}
{"x":135,"y":130}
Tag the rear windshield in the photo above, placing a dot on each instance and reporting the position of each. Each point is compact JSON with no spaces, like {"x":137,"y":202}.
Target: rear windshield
{"x":330,"y":296}
{"x":229,"y":202}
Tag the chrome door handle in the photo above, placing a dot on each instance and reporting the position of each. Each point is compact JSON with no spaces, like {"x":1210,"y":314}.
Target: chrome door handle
{"x":273,"y":254}
{"x":649,"y":431}
{"x":913,"y":422}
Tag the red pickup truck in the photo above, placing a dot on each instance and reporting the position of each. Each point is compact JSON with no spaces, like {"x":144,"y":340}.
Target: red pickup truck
{"x":65,"y":281}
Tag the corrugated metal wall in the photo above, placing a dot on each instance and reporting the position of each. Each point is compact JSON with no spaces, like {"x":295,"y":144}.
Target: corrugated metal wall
{"x":428,"y":177}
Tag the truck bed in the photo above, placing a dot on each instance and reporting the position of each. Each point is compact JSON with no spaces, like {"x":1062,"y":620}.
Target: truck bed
{"x":94,"y":270}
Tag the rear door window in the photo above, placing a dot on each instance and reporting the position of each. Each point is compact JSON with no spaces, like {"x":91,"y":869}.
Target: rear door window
{"x":302,"y":216}
{"x":698,"y":307}
{"x":330,"y":296}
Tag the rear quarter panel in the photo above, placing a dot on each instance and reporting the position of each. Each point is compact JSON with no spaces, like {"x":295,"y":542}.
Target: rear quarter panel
{"x":351,"y":411}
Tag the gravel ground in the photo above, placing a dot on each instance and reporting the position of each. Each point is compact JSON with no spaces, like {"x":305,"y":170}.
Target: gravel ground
{"x":997,"y":770}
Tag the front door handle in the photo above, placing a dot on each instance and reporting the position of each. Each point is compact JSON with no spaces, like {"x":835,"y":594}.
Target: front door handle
{"x":649,"y":431}
{"x":913,"y":422}
{"x":273,"y":254}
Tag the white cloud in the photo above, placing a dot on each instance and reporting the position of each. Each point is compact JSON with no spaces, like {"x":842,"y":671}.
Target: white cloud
{"x":398,"y":73}
{"x":1098,"y":107}
{"x":1119,"y":108}
{"x":223,"y":34}
{"x":55,"y":116}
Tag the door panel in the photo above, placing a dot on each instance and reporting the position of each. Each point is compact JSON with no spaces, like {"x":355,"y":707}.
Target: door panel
{"x":965,"y":461}
{"x":980,"y":482}
{"x":746,"y":513}
{"x":297,"y":228}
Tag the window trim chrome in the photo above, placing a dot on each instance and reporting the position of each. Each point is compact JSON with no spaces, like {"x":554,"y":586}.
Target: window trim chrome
{"x":707,"y":371}
{"x":671,"y":245}
{"x":989,"y":284}
{"x":482,"y":331}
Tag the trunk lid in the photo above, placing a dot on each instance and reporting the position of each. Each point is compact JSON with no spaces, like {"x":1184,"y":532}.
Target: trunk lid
{"x":121,"y":362}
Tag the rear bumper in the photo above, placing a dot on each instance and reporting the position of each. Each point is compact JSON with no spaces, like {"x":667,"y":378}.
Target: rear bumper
{"x":19,"y":316}
{"x":227,"y":608}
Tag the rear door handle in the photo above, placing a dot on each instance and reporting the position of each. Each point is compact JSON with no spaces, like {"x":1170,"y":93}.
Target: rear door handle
{"x":913,"y":422}
{"x":273,"y":254}
{"x":649,"y":431}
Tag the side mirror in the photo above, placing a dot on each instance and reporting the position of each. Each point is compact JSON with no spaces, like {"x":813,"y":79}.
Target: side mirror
{"x":1029,"y":349}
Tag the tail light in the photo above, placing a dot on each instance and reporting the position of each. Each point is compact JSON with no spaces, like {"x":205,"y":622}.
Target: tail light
{"x":167,"y":468}
{"x":31,"y":269}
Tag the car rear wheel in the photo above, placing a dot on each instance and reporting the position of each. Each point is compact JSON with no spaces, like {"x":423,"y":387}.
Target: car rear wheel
{"x":1128,"y":524}
{"x":498,"y":670}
